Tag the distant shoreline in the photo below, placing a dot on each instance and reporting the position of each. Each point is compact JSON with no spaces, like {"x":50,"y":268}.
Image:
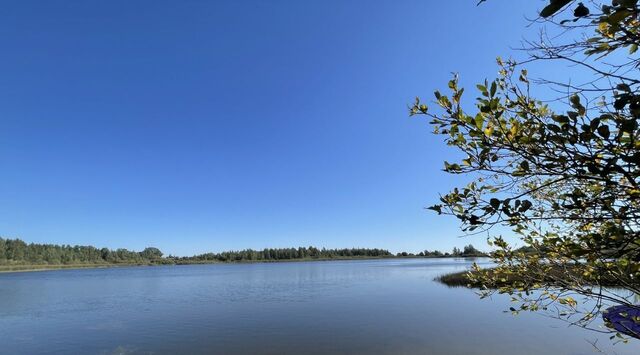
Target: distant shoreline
{"x":4,"y":269}
{"x":18,"y":256}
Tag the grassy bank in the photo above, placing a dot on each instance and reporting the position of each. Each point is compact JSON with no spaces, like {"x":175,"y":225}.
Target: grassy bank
{"x":456,"y":279}
{"x":461,"y":279}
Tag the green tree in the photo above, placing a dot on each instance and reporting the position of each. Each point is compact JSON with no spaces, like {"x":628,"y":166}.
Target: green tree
{"x":563,"y":174}
{"x":470,"y":250}
{"x":151,"y":253}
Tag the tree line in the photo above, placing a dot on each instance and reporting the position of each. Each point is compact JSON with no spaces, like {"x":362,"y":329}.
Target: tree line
{"x":17,"y":252}
{"x":466,"y":251}
{"x":285,"y":254}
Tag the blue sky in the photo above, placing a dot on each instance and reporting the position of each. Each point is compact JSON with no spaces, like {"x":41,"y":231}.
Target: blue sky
{"x":201,"y":126}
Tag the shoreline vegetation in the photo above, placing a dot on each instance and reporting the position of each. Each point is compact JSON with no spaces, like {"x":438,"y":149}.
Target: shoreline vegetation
{"x":461,"y":279}
{"x":18,"y":256}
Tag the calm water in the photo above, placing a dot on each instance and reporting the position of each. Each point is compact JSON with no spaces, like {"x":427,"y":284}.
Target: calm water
{"x":364,"y":307}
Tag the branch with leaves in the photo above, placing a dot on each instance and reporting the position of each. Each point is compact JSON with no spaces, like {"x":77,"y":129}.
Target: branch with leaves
{"x":563,"y":175}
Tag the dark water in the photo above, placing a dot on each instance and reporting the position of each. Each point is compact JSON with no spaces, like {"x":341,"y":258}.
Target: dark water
{"x":363,"y":307}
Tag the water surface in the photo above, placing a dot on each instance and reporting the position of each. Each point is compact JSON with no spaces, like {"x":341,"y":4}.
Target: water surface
{"x":343,"y":307}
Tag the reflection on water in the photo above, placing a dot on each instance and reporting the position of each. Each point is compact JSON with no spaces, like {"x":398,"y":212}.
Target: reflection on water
{"x":345,"y":307}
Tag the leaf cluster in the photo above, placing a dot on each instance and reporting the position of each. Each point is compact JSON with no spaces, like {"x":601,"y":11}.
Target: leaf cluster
{"x":563,"y":176}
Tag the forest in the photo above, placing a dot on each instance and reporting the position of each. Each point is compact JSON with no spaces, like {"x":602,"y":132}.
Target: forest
{"x":18,"y":252}
{"x":467,"y":251}
{"x":284,"y":254}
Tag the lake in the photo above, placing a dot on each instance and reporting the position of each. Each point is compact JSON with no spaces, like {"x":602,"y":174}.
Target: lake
{"x":390,"y":306}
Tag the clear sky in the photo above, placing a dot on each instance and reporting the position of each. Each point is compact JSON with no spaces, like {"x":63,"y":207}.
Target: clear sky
{"x":201,"y":126}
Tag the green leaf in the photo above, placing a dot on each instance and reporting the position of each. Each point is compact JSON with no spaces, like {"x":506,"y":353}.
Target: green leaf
{"x":553,"y":7}
{"x":623,"y":87}
{"x":581,"y":11}
{"x":525,"y":206}
{"x":603,"y":131}
{"x":618,"y":16}
{"x":479,"y":121}
{"x":575,"y":101}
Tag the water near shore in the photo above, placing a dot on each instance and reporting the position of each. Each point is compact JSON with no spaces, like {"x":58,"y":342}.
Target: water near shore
{"x":367,"y":307}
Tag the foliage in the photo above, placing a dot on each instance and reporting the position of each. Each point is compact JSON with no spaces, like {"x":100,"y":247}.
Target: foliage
{"x":17,"y":252}
{"x":151,"y":253}
{"x":434,"y":254}
{"x":566,"y":180}
{"x":468,"y":251}
{"x":285,"y":254}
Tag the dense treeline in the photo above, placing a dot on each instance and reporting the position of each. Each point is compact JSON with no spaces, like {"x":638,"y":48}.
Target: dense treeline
{"x":467,"y":251}
{"x":285,"y":254}
{"x":17,"y":252}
